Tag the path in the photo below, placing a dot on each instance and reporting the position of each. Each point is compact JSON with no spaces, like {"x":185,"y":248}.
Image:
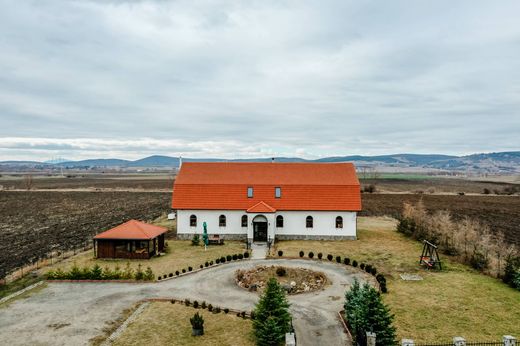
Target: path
{"x":73,"y":313}
{"x":259,"y":250}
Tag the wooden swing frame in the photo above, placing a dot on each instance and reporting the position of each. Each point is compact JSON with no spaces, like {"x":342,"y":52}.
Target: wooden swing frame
{"x":430,"y":256}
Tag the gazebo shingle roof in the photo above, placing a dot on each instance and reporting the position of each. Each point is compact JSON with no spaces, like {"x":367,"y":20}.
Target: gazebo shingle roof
{"x":132,"y":229}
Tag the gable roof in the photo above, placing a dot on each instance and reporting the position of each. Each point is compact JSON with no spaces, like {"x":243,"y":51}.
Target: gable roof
{"x":305,"y":186}
{"x":132,"y":229}
{"x":261,"y":207}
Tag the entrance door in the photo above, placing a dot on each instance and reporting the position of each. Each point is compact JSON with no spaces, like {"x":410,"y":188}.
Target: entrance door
{"x":259,"y":231}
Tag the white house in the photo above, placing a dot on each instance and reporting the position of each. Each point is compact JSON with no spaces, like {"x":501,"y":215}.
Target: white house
{"x":267,"y":201}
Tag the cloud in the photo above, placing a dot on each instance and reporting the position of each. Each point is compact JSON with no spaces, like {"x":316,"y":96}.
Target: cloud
{"x":232,"y":79}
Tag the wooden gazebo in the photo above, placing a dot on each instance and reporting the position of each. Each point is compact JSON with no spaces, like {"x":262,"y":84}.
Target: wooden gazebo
{"x":132,"y":239}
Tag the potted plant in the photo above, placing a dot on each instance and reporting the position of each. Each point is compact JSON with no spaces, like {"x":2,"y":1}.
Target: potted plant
{"x":197,"y":325}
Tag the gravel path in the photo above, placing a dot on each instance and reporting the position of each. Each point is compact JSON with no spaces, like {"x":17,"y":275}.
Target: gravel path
{"x":73,"y":313}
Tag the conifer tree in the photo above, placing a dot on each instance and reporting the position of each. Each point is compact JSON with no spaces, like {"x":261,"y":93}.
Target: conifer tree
{"x":366,"y":312}
{"x":272,"y":317}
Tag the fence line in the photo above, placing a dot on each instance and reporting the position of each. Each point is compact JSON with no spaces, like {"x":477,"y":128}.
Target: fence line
{"x":45,"y":260}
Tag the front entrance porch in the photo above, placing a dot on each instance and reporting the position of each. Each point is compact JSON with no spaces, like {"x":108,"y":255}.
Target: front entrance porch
{"x":259,"y":229}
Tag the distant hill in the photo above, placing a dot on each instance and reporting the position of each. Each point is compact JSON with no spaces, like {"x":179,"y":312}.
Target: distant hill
{"x":500,"y":162}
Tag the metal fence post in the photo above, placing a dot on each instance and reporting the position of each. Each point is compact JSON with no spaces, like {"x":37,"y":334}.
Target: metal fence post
{"x":509,"y":340}
{"x":407,"y":342}
{"x":459,"y":341}
{"x":371,"y":339}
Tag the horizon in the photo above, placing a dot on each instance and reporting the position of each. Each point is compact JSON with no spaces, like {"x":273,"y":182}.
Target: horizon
{"x":130,"y":79}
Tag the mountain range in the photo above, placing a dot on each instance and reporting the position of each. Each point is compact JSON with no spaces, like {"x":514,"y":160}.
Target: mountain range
{"x":499,"y":162}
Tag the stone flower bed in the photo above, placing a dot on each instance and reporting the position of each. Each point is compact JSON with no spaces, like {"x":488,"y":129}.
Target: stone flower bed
{"x":293,"y":280}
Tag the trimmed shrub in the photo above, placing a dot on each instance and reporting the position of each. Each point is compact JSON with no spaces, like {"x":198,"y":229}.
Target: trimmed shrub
{"x":302,"y":253}
{"x":170,"y":275}
{"x":320,"y":255}
{"x":330,"y":257}
{"x":235,"y":257}
{"x":368,"y":268}
{"x":226,"y":310}
{"x":183,"y":270}
{"x":354,"y":263}
{"x":280,"y":253}
{"x":159,"y":277}
{"x":218,"y":310}
{"x":338,"y":259}
{"x":373,"y":271}
{"x":228,"y":258}
{"x":206,"y":264}
{"x":280,"y":271}
{"x":217,"y":261}
{"x":311,"y":255}
{"x":252,"y":314}
{"x":240,"y":256}
{"x":201,"y":266}
{"x":243,"y":314}
{"x":164,"y":276}
{"x":362,"y":266}
{"x":190,"y":269}
{"x":210,"y":307}
{"x":246,"y":254}
{"x":187,"y":302}
{"x":177,"y":273}
{"x":203,"y":305}
{"x":346,"y":261}
{"x":195,"y":240}
{"x":195,"y":304}
{"x":222,"y":259}
{"x":210,"y":263}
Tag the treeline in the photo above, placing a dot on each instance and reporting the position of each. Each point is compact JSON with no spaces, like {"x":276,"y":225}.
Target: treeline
{"x":97,"y":273}
{"x":470,"y":241}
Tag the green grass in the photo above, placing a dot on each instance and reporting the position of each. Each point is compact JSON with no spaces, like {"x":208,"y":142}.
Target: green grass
{"x":17,"y":285}
{"x":163,"y":323}
{"x":457,"y":301}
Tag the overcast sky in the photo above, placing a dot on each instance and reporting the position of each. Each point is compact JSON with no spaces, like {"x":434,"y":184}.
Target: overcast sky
{"x":231,"y":79}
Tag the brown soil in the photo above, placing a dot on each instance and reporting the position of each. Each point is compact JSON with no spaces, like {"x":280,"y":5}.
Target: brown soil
{"x":294,"y":280}
{"x":501,"y":213}
{"x":34,"y":224}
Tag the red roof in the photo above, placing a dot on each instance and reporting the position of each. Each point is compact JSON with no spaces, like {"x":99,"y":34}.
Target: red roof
{"x":261,"y":207}
{"x":304,"y":186}
{"x":132,"y":229}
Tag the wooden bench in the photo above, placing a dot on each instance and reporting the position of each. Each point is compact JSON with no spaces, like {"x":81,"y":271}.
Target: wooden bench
{"x":215,"y":239}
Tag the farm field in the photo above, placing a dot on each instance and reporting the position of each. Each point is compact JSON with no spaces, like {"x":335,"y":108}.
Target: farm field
{"x":163,"y":323}
{"x":501,"y":213}
{"x":33,"y":224}
{"x":457,"y":301}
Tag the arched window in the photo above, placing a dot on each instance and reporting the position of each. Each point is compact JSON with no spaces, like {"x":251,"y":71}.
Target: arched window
{"x":279,"y":221}
{"x":309,"y":222}
{"x":339,"y":222}
{"x":193,"y":221}
{"x":222,"y":220}
{"x":244,"y":220}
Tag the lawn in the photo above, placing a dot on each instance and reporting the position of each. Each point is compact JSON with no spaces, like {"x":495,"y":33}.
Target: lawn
{"x":180,"y":254}
{"x":455,"y":302}
{"x":163,"y":323}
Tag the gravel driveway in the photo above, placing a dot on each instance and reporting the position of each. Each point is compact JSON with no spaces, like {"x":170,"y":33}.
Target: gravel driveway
{"x":73,"y":313}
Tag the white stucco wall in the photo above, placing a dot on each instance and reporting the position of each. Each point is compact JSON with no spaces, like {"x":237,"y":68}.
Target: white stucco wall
{"x":294,"y":223}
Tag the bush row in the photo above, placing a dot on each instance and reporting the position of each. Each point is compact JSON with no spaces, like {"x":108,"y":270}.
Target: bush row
{"x":96,"y":273}
{"x":222,"y":259}
{"x":214,"y":309}
{"x":346,"y":261}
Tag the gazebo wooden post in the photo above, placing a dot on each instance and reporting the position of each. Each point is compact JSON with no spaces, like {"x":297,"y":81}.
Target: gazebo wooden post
{"x":94,"y":246}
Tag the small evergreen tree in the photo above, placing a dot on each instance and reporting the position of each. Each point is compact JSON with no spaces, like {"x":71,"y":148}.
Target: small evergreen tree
{"x":366,"y":312}
{"x":195,"y":240}
{"x":96,"y":272}
{"x":272,"y":317}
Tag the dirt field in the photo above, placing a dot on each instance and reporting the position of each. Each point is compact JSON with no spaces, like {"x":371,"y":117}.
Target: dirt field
{"x":501,"y":213}
{"x":91,"y":181}
{"x":33,"y":224}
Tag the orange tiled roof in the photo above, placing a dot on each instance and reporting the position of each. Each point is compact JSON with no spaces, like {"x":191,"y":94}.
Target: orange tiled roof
{"x":261,"y":207}
{"x":132,"y":229}
{"x":305,"y":186}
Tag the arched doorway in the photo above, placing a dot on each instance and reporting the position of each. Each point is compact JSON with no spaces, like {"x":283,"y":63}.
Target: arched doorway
{"x":260,"y":228}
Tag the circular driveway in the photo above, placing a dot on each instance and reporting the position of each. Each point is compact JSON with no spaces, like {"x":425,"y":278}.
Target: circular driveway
{"x":73,"y":313}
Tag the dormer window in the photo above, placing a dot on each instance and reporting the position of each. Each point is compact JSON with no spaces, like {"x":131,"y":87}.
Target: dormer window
{"x":249,"y":192}
{"x":278,"y":192}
